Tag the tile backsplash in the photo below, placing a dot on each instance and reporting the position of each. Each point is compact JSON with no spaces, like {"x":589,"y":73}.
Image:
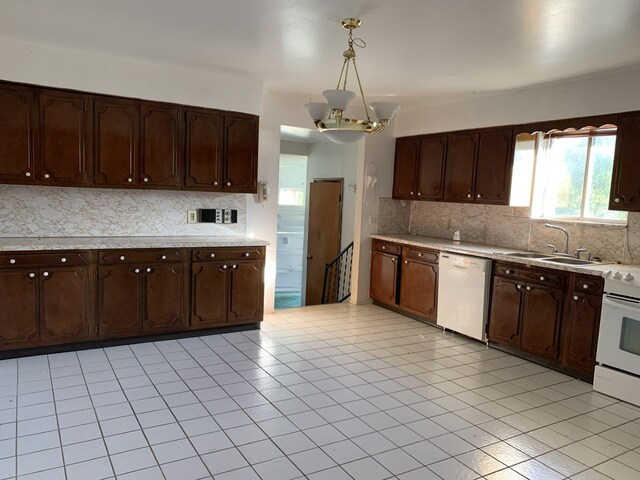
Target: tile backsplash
{"x":508,"y":227}
{"x":29,"y":211}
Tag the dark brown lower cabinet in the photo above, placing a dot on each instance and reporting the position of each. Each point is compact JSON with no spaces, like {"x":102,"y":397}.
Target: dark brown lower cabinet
{"x":140,"y":299}
{"x":419,"y":286}
{"x":19,"y":315}
{"x":225,"y":292}
{"x":44,"y":305}
{"x":384,"y":277}
{"x":534,"y":311}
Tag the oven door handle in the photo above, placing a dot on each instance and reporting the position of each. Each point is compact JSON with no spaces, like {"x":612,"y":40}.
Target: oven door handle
{"x":622,"y":302}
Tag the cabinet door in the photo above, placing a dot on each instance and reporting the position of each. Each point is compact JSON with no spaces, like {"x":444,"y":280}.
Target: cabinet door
{"x":17,"y":135}
{"x":494,"y":165}
{"x":245,"y":291}
{"x":116,"y":126}
{"x":64,"y":304}
{"x":625,"y":182}
{"x":405,"y":168}
{"x":433,"y":151}
{"x":163,"y":298}
{"x":63,"y":133}
{"x":541,"y":320}
{"x":504,"y":315}
{"x":419,"y":287}
{"x":384,"y":277}
{"x":581,"y":340}
{"x":203,"y":150}
{"x":460,"y":169}
{"x":19,"y":308}
{"x":159,"y":152}
{"x":209,"y":288}
{"x":241,"y":154}
{"x":119,"y":300}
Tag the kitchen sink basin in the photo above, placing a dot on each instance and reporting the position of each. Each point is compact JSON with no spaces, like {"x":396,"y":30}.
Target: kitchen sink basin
{"x":569,"y":261}
{"x":527,"y":254}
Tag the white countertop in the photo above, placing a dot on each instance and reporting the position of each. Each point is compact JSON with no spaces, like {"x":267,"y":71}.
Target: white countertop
{"x":488,"y":251}
{"x":108,"y":243}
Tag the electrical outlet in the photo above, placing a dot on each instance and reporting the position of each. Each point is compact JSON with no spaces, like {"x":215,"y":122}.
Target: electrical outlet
{"x":227,"y":216}
{"x":192,"y":216}
{"x":218,"y":215}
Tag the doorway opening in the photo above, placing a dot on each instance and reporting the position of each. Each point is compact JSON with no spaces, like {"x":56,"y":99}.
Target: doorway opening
{"x":291,"y":229}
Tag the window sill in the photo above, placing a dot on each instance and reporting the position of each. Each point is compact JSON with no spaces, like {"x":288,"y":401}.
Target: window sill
{"x":575,"y":221}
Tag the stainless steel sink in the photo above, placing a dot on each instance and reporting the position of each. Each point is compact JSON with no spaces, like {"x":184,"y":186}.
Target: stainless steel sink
{"x":568,"y":261}
{"x":527,"y":254}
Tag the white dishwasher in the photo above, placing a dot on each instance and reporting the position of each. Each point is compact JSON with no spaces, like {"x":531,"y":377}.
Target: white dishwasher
{"x":463,"y":294}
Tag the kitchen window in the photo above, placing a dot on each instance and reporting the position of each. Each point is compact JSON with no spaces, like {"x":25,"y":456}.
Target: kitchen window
{"x":571,"y":172}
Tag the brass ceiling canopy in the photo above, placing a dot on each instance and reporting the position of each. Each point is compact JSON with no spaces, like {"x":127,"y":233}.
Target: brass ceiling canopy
{"x":329,"y":117}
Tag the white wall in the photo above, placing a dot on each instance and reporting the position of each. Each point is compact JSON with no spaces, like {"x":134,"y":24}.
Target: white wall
{"x":592,"y":96}
{"x":65,"y":68}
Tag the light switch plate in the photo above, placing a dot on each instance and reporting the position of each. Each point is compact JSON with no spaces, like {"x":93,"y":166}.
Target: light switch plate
{"x":192,"y":216}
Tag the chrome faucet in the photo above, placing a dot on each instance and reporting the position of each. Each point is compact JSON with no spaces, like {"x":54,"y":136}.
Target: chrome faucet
{"x":566,"y":236}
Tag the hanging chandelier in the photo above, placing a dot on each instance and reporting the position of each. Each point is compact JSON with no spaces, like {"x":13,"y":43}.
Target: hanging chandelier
{"x":329,"y":117}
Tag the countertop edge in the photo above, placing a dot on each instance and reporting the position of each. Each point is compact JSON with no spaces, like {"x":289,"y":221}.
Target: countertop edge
{"x":487,"y":251}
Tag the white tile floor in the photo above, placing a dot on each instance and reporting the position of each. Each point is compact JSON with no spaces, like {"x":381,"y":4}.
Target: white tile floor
{"x":332,"y":392}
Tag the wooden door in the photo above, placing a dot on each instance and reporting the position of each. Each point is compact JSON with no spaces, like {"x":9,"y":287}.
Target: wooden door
{"x":494,"y":166}
{"x":323,"y":234}
{"x":64,"y":304}
{"x":209,"y":289}
{"x":625,"y":182}
{"x":419,"y":288}
{"x":246,"y":283}
{"x":159,"y":146}
{"x":431,"y":166}
{"x":163,"y":298}
{"x":19,"y":308}
{"x":504,"y":315}
{"x":405,"y":168}
{"x":384,"y":278}
{"x":119,"y":300}
{"x":460,"y":168}
{"x":203,"y":150}
{"x":240,"y":154}
{"x":116,"y":126}
{"x":17,"y":135}
{"x":63,"y":133}
{"x":541,"y":320}
{"x":581,"y":340}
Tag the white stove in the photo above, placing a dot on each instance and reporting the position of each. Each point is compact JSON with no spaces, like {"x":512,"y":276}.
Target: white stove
{"x":618,"y":355}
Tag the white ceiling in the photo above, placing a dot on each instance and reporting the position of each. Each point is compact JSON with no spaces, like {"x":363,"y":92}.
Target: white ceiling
{"x":419,"y":51}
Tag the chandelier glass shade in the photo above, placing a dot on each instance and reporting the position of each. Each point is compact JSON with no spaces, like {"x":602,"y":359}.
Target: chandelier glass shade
{"x":329,"y":117}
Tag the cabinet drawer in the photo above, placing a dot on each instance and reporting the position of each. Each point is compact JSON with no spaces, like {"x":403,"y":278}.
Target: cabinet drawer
{"x":385,"y":247}
{"x":214,"y":254}
{"x":588,"y":284}
{"x":113,"y":257}
{"x":21,"y":259}
{"x":527,"y":273}
{"x":428,"y":256}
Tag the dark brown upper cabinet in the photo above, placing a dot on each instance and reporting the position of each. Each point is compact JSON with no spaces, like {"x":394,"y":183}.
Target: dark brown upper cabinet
{"x":160,"y":146}
{"x":460,"y":168}
{"x":63,"y":139}
{"x":203,"y":150}
{"x":405,"y":168}
{"x":625,"y":181}
{"x":17,"y":135}
{"x":419,"y":168}
{"x":116,"y":127}
{"x":240,"y":153}
{"x":493,"y":167}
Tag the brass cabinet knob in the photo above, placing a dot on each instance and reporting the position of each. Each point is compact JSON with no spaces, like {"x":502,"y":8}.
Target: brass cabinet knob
{"x":224,"y":267}
{"x":508,"y":271}
{"x":406,"y":262}
{"x":212,"y":255}
{"x":419,"y":194}
{"x":576,"y":298}
{"x":411,"y":193}
{"x":27,"y":174}
{"x":129,"y":179}
{"x":469,"y":195}
{"x":518,"y":287}
{"x":12,"y":261}
{"x":542,"y":278}
{"x":617,"y":199}
{"x":393,"y":260}
{"x":136,"y":270}
{"x":148,"y":270}
{"x":46,"y":175}
{"x":215,"y":183}
{"x":228,"y":183}
{"x":479,"y":195}
{"x":163,"y":257}
{"x":45,"y":274}
{"x":245,"y":254}
{"x":529,"y":288}
{"x":63,"y":259}
{"x":585,"y":286}
{"x":145,"y":179}
{"x":32,"y":275}
{"x":234,"y":266}
{"x":121,"y":257}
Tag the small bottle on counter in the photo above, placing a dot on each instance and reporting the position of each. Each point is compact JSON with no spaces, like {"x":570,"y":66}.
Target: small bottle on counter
{"x":456,"y":236}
